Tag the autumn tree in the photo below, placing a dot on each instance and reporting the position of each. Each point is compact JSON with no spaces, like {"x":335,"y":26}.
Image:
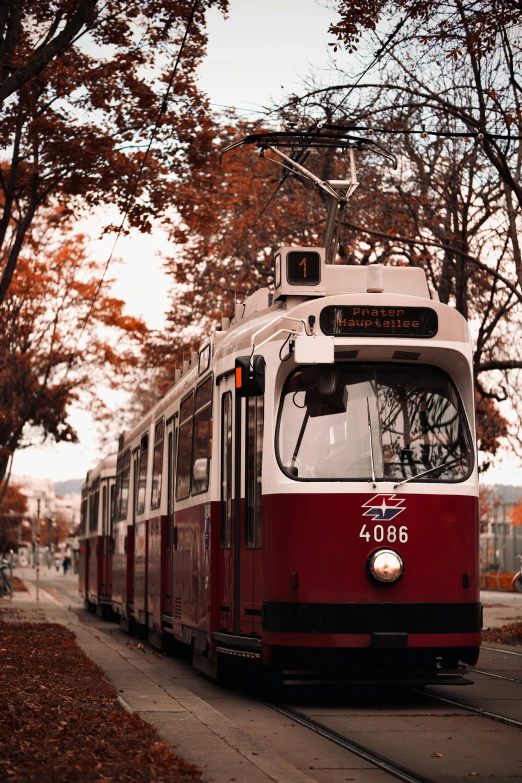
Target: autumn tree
{"x":59,"y":341}
{"x":481,"y":94}
{"x":515,"y":514}
{"x":32,"y":34}
{"x":218,"y":258}
{"x":489,"y":501}
{"x":75,"y":135}
{"x":448,"y":108}
{"x":236,"y":213}
{"x":13,"y":509}
{"x":485,"y":19}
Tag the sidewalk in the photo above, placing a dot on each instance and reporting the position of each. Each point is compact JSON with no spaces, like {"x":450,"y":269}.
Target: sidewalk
{"x":500,"y":608}
{"x":174,"y":699}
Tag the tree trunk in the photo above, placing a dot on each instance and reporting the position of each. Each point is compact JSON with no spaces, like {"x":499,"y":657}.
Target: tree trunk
{"x":512,"y":222}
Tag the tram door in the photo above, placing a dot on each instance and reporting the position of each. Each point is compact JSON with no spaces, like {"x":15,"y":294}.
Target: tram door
{"x":132,"y":541}
{"x":104,"y":587}
{"x":226,"y":569}
{"x":241,"y":436}
{"x":252,"y":538}
{"x":171,"y":542}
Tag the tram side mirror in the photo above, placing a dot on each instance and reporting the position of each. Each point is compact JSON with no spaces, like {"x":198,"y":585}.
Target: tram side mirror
{"x":327,"y":381}
{"x":318,"y":404}
{"x":250,"y":376}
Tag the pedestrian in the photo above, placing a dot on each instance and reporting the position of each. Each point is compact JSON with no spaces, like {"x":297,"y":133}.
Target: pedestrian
{"x":65,"y":565}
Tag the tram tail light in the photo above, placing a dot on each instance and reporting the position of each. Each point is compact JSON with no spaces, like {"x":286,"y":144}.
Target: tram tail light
{"x":250,"y":376}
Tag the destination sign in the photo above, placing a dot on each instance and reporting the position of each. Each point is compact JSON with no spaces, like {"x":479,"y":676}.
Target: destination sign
{"x":359,"y":321}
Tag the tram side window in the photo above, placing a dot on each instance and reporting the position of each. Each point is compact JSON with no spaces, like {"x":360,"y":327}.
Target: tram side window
{"x":117,"y":499}
{"x":142,"y":475}
{"x":202,"y":437}
{"x":170,"y":481}
{"x":112,"y":515}
{"x":83,"y":513}
{"x":104,"y":517}
{"x":226,"y":471}
{"x":94,"y":506}
{"x":157,"y":464}
{"x":184,"y":460}
{"x":254,"y":460}
{"x":124,"y":480}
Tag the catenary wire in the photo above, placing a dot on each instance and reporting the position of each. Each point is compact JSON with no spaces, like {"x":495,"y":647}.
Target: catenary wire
{"x":317,"y":125}
{"x":130,"y":199}
{"x":376,"y":58}
{"x":479,"y":135}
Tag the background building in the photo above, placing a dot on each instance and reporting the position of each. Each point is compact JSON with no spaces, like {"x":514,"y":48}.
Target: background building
{"x":58,"y":517}
{"x":500,"y":538}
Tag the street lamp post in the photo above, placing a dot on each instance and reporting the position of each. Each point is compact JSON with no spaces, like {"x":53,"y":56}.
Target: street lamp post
{"x":37,"y":550}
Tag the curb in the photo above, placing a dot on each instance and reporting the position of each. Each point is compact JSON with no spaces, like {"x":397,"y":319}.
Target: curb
{"x":122,"y":706}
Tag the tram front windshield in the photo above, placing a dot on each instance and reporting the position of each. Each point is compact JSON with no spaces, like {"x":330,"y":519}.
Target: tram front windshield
{"x":390,"y":422}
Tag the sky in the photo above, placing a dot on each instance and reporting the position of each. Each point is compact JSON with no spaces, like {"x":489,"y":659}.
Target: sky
{"x":261,"y":52}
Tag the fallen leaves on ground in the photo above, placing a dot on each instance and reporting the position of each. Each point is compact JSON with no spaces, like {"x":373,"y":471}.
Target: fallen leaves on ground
{"x":59,"y":720}
{"x":508,"y":634}
{"x":18,"y":585}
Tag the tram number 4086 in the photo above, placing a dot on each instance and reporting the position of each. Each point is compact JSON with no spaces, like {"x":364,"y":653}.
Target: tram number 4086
{"x":391,"y":534}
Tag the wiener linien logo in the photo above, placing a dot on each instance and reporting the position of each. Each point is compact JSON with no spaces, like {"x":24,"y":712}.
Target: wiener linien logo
{"x":383,"y":508}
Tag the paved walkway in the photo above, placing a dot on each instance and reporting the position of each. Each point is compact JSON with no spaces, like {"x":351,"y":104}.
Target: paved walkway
{"x":501,"y":608}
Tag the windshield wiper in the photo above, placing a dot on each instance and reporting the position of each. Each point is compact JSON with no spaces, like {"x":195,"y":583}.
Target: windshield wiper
{"x":371,"y":441}
{"x":424,"y":472}
{"x":299,"y":441}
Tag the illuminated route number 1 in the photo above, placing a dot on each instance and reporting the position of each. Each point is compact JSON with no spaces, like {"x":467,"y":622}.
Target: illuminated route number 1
{"x":304,"y":267}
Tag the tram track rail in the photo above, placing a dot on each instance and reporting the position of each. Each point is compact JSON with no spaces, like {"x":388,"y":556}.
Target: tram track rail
{"x":362,"y":751}
{"x":497,"y":676}
{"x":475,"y":710}
{"x":385,"y":764}
{"x":498,"y":650}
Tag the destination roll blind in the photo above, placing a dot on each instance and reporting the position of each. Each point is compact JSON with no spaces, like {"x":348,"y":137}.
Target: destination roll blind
{"x":381,"y":321}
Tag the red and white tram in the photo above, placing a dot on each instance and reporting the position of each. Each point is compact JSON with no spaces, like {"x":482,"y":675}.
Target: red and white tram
{"x":306,"y":494}
{"x":96,"y":536}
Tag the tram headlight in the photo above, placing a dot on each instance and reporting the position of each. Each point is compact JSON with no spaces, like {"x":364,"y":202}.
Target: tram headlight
{"x":386,"y":566}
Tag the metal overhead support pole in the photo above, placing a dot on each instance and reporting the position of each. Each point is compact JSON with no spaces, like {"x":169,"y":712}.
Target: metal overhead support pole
{"x":328,"y":137}
{"x":344,"y":188}
{"x":37,"y":551}
{"x":338,"y":191}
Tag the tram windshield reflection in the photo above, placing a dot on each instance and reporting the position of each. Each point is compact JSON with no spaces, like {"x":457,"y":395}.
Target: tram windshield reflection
{"x":394,"y":422}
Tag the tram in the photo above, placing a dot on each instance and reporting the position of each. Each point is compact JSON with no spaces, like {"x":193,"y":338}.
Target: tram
{"x":96,"y":536}
{"x":305,"y":497}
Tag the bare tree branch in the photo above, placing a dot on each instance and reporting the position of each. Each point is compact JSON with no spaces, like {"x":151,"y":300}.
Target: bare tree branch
{"x":45,"y":53}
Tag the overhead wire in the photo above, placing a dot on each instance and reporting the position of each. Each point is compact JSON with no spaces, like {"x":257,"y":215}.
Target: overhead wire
{"x":442,"y":134}
{"x":317,"y":126}
{"x":132,"y":194}
{"x":376,"y":58}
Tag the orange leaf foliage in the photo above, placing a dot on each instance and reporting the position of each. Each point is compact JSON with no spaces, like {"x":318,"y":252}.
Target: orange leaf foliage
{"x":49,"y":358}
{"x":515,"y":514}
